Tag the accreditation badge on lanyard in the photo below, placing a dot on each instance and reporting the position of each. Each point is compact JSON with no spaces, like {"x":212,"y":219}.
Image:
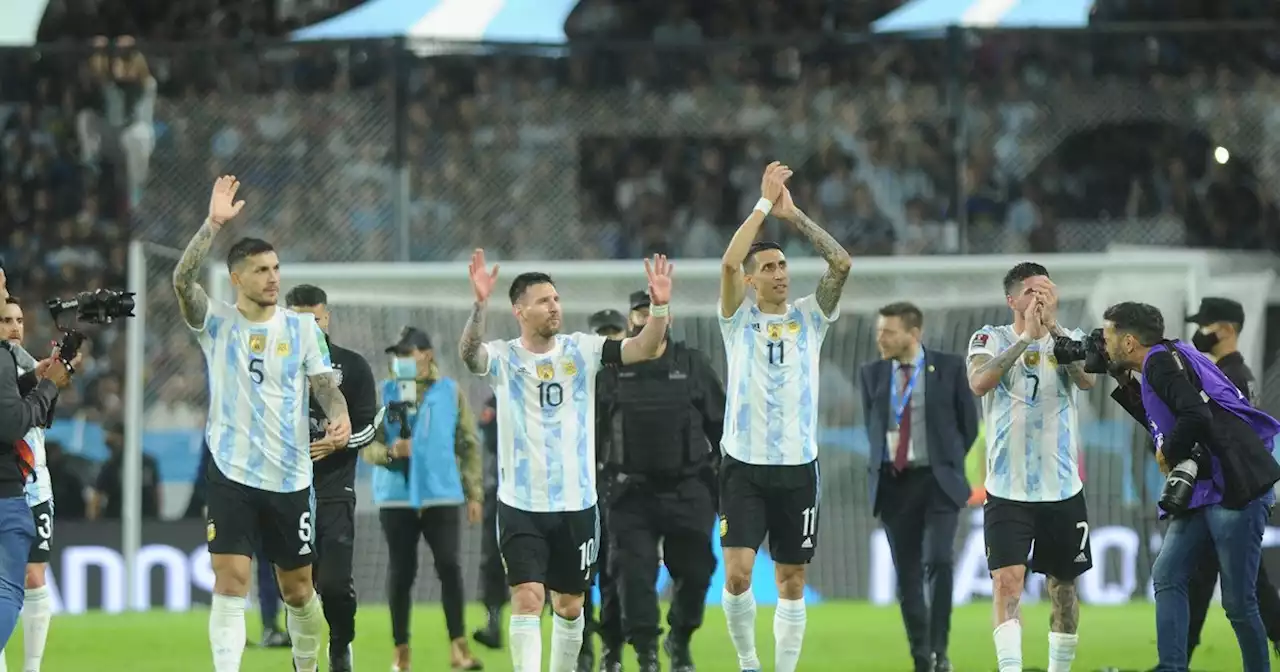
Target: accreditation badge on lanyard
{"x":899,"y":405}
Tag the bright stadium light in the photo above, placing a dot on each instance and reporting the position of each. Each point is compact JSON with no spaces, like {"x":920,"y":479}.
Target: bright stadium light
{"x":1221,"y":155}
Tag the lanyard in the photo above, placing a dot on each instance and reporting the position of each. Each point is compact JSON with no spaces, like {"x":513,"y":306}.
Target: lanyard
{"x":900,"y":408}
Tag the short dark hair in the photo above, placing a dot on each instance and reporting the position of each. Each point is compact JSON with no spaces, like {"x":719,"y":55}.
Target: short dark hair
{"x":1142,"y":320}
{"x":524,"y":281}
{"x":906,"y":311}
{"x":244,"y":248}
{"x":1027,"y":269}
{"x":12,"y":300}
{"x":306,"y":295}
{"x":756,"y":248}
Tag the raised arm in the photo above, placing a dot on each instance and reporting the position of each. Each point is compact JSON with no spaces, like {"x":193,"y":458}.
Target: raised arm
{"x":471,"y":345}
{"x":1075,"y":370}
{"x":838,"y":260}
{"x":193,"y":302}
{"x":647,"y":344}
{"x":1047,"y":292}
{"x":732,"y":286}
{"x":986,"y":370}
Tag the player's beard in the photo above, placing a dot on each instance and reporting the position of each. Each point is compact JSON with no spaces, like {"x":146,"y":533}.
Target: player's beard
{"x":549,"y":328}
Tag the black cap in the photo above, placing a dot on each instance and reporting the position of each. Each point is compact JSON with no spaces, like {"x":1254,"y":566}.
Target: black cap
{"x":411,"y":338}
{"x":1217,"y":309}
{"x":607,"y":319}
{"x":639,"y":299}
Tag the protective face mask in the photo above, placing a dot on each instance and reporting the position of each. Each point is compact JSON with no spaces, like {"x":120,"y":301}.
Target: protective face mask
{"x":404,"y":368}
{"x":1204,"y":342}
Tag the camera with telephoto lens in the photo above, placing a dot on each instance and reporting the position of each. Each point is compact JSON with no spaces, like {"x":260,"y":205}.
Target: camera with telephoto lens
{"x":1093,"y":350}
{"x":101,"y":306}
{"x":1175,"y":497}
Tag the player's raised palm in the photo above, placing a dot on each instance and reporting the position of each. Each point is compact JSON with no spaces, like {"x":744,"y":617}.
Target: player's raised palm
{"x":223,"y":204}
{"x":659,"y":272}
{"x":772,"y":184}
{"x":482,"y":279}
{"x":1033,"y":320}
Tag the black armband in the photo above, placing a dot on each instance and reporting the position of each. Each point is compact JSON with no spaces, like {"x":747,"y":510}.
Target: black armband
{"x":612,"y":353}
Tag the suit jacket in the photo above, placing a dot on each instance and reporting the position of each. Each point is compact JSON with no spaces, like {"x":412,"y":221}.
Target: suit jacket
{"x":951,"y":418}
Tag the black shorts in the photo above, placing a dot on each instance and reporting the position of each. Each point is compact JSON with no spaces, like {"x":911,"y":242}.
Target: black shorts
{"x":1057,"y":531}
{"x":558,"y":550}
{"x":42,"y":514}
{"x":781,"y":502}
{"x":240,"y":518}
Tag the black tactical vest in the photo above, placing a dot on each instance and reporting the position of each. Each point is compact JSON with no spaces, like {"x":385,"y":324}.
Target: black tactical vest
{"x":654,"y":428}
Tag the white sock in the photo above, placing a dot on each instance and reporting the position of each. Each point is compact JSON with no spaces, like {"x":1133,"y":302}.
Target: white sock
{"x":306,"y":628}
{"x":4,"y":667}
{"x":788,"y":634}
{"x":37,"y":609}
{"x":525,"y":633}
{"x":740,"y":615}
{"x":566,"y":643}
{"x":226,"y":632}
{"x":1062,"y":651}
{"x":1008,"y":638}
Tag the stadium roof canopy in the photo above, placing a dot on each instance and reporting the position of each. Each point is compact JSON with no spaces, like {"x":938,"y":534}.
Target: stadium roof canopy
{"x":521,"y":21}
{"x":937,"y":15}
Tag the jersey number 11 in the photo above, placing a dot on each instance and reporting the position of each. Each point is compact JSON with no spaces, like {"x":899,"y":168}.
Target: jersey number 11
{"x":777,"y":352}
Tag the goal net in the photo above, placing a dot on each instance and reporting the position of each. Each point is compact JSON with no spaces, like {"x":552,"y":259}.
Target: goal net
{"x":371,"y":302}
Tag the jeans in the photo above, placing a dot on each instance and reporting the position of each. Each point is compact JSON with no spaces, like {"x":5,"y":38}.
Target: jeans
{"x":17,"y":532}
{"x":1236,"y":536}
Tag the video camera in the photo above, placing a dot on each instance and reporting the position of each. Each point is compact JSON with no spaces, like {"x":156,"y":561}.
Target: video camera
{"x":101,"y":306}
{"x":1093,"y":350}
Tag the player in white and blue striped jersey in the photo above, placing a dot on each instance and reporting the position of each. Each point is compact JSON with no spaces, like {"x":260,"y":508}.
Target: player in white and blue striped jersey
{"x":264,"y":363}
{"x":37,"y":602}
{"x":544,"y":385}
{"x":769,"y":479}
{"x":1035,"y":495}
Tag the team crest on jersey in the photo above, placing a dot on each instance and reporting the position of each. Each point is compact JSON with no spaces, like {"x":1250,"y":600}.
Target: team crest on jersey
{"x":793,"y":327}
{"x":282,"y":349}
{"x":211,"y":531}
{"x":569,"y":368}
{"x":775,"y":331}
{"x":1031,"y":359}
{"x":546,"y":372}
{"x":257,"y":343}
{"x":1053,"y":361}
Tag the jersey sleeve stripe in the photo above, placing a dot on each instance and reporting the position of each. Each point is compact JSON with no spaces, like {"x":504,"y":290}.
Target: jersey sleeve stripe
{"x":219,"y":427}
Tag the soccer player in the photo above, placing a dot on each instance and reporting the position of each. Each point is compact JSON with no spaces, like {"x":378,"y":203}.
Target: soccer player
{"x":37,"y":604}
{"x":334,"y":473}
{"x":769,"y":483}
{"x":1035,"y":495}
{"x":548,"y":525}
{"x":260,"y":360}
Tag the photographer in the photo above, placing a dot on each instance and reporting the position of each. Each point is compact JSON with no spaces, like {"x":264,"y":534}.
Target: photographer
{"x":1216,"y":449}
{"x":25,"y":402}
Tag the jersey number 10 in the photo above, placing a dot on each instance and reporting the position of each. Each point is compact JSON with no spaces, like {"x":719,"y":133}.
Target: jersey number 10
{"x":550,"y":395}
{"x":777,"y":352}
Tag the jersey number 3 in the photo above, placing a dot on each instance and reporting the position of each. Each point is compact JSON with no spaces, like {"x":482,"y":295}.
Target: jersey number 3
{"x":777,"y":352}
{"x":255,"y":370}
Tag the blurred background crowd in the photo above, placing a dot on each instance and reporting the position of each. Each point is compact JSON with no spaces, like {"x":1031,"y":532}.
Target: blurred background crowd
{"x":646,"y":133}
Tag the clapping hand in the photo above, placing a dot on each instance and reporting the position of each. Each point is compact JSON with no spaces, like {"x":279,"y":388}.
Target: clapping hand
{"x":1047,"y":294}
{"x":1033,"y":320}
{"x":774,"y":181}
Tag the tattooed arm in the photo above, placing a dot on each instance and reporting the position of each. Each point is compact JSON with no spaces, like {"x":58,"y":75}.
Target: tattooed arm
{"x":471,"y":348}
{"x":985,"y":371}
{"x":327,"y":393}
{"x":1075,"y":370}
{"x":838,"y":260}
{"x":193,"y":302}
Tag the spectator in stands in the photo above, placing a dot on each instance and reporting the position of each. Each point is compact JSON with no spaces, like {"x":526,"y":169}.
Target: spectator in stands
{"x":107,"y":497}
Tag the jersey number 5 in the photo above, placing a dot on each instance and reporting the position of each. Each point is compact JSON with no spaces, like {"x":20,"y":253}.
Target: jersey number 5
{"x":255,"y":370}
{"x":550,"y":395}
{"x":777,"y":351}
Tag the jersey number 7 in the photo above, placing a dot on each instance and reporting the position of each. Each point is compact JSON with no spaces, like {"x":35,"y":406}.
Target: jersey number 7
{"x":255,"y":370}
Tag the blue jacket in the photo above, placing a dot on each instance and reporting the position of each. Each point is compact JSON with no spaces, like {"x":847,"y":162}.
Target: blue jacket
{"x":440,"y":441}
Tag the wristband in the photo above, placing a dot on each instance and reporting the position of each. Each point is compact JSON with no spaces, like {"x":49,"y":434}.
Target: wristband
{"x":660,"y":310}
{"x":764,"y":205}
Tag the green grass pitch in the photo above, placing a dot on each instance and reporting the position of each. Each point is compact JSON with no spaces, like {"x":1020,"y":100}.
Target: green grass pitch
{"x":841,"y":636}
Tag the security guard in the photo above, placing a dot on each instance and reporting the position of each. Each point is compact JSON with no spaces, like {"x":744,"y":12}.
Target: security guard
{"x":663,"y":420}
{"x":610,"y":324}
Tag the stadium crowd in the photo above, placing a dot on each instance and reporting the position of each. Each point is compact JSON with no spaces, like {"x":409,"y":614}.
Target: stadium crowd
{"x":606,"y":149}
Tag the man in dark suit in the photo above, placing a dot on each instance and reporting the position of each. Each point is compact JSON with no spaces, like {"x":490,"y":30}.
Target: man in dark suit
{"x":921,"y":420}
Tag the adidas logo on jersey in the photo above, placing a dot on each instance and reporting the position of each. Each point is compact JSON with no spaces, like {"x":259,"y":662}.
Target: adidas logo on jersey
{"x":44,"y":546}
{"x":1081,"y":558}
{"x":306,"y":548}
{"x":808,"y":543}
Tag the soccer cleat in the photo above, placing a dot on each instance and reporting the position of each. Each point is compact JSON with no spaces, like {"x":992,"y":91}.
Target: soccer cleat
{"x":586,"y":659}
{"x":677,"y":649}
{"x":273,"y":638}
{"x":490,"y":636}
{"x":610,"y":658}
{"x":340,"y":659}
